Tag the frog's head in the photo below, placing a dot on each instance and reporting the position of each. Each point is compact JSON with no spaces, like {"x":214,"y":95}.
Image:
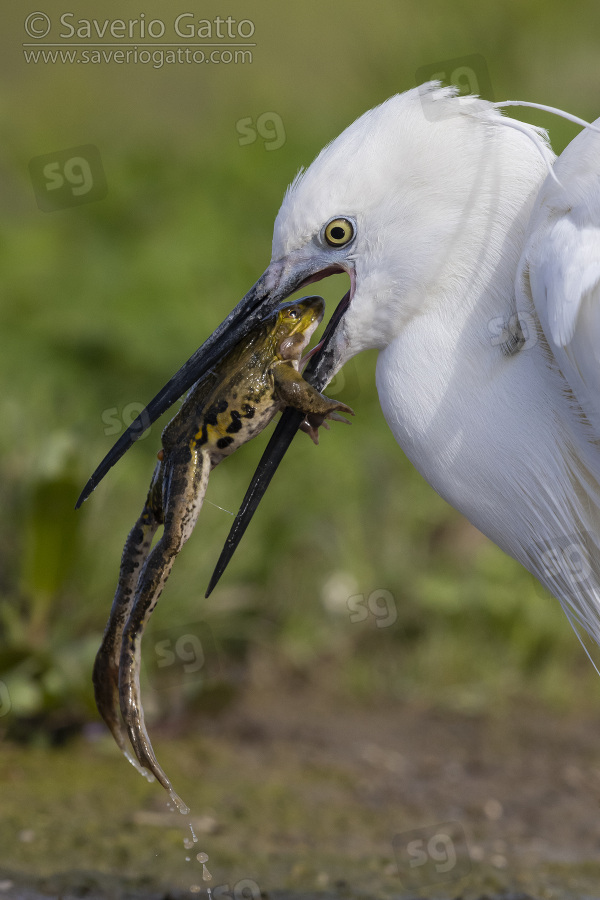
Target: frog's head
{"x":294,"y":324}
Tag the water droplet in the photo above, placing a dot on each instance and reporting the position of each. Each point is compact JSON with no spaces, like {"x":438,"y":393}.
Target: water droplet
{"x":194,"y":838}
{"x":203,"y":857}
{"x":188,"y":843}
{"x":145,"y":772}
{"x":188,"y":858}
{"x":195,"y":888}
{"x":183,"y":809}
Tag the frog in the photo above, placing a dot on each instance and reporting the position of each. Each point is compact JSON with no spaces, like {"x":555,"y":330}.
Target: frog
{"x":225,"y":409}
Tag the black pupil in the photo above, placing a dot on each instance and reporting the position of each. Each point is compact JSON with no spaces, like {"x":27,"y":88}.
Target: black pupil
{"x":338,"y":233}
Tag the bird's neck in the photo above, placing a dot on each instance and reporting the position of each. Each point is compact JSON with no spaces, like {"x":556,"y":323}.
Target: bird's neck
{"x":453,"y":396}
{"x":447,"y":244}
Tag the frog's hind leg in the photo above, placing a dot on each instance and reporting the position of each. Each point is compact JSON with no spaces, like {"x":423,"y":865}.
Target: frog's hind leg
{"x":186,"y":478}
{"x":106,"y":666}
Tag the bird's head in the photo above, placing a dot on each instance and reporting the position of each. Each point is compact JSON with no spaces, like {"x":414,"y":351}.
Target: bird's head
{"x":396,"y":203}
{"x":393,"y":201}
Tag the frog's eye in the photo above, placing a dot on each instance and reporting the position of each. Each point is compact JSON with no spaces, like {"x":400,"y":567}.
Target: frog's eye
{"x":338,"y":232}
{"x":293,"y":314}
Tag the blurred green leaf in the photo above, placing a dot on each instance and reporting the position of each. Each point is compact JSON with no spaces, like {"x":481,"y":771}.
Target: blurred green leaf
{"x":103,"y":302}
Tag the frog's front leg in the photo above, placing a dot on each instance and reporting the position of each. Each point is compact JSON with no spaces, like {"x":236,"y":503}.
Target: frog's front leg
{"x":186,"y":472}
{"x":106,"y":666}
{"x":292,"y":389}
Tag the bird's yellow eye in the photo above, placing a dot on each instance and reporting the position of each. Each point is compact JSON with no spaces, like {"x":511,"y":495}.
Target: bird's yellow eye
{"x":339,"y":232}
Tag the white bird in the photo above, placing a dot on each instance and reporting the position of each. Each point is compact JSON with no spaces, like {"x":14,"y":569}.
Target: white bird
{"x":559,"y":272}
{"x":476,"y":275}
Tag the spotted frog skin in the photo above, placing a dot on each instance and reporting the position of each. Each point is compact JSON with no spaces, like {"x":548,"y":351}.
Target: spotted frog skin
{"x":228,"y":407}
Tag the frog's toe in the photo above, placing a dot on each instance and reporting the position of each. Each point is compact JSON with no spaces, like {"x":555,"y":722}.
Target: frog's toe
{"x":145,"y":756}
{"x":341,"y":407}
{"x":311,"y":425}
{"x":106,"y":692}
{"x":335,"y":416}
{"x":133,"y":715}
{"x":144,"y":752}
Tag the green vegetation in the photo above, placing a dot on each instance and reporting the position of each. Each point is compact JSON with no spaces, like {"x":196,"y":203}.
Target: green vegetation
{"x":102,"y":302}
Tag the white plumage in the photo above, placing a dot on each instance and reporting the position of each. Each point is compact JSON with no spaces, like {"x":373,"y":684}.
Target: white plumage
{"x":477,"y":276}
{"x":561,"y":266}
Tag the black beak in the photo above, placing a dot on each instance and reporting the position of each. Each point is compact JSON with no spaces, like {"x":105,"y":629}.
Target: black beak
{"x":317,"y":373}
{"x":280,"y":280}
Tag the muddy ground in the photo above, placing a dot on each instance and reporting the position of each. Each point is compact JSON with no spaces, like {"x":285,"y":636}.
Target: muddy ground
{"x":293,"y":795}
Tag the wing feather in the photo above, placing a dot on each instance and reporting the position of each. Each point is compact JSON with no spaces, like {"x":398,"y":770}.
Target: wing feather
{"x":562,"y":261}
{"x":568,"y":273}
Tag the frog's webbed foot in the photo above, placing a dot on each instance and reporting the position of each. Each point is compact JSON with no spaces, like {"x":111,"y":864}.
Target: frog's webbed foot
{"x":106,"y":666}
{"x":185,"y":485}
{"x":321,"y":409}
{"x":294,"y":391}
{"x":313,"y":422}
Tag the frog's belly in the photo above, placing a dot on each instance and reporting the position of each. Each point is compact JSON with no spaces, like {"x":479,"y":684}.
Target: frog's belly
{"x":235,"y":427}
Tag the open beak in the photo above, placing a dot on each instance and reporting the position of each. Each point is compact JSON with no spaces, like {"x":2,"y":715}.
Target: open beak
{"x":317,"y":372}
{"x":281,"y":279}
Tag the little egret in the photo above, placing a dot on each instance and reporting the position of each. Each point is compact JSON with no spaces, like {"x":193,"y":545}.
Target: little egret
{"x":476,"y":274}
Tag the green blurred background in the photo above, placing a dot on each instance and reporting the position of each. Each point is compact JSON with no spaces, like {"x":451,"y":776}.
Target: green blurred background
{"x":102,"y":302}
